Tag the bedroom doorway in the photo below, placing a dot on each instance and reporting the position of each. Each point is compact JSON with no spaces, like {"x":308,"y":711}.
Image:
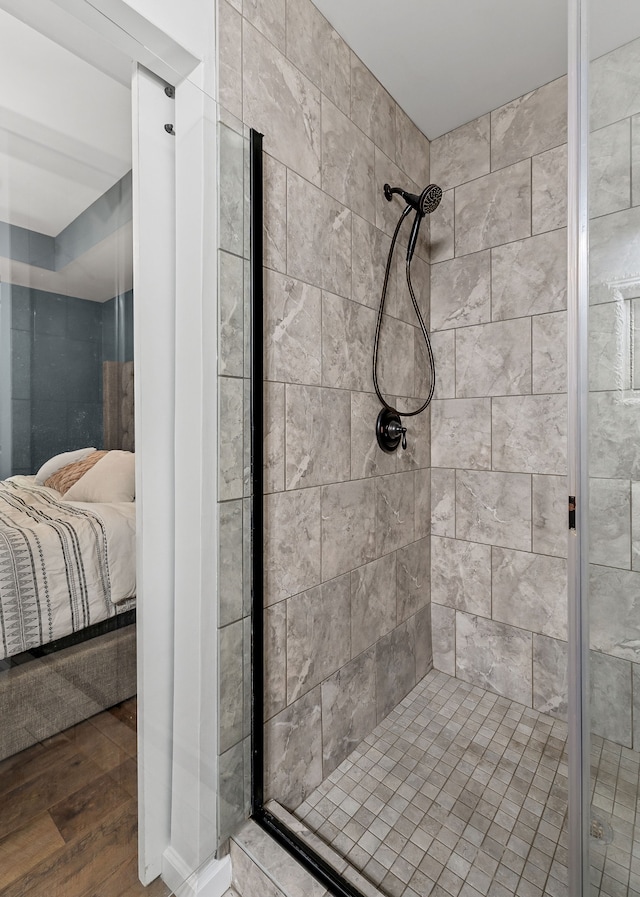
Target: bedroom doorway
{"x":68,"y":746}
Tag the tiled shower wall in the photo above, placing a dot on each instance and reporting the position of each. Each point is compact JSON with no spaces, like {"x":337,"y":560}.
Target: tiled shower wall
{"x":347,"y":527}
{"x":499,"y":426}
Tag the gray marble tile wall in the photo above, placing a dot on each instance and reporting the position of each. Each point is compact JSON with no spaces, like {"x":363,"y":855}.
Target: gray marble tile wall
{"x":498,"y":423}
{"x":347,"y":548}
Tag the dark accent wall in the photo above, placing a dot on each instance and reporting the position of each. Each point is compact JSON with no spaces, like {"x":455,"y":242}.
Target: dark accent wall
{"x":58,"y":344}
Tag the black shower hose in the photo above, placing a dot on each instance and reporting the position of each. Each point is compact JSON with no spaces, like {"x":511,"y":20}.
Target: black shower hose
{"x":423,"y":327}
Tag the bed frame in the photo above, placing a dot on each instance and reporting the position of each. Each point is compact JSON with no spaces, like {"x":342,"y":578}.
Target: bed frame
{"x":46,"y":691}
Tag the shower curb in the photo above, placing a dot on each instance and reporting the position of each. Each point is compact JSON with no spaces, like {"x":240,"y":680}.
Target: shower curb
{"x":262,"y":868}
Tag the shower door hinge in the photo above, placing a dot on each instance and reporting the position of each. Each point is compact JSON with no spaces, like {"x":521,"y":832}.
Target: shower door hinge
{"x":572,"y":512}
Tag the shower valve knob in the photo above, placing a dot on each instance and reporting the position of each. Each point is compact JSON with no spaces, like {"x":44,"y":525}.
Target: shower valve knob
{"x":389,"y":431}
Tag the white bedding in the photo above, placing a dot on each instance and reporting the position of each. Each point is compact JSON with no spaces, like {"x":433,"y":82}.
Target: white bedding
{"x":63,"y":565}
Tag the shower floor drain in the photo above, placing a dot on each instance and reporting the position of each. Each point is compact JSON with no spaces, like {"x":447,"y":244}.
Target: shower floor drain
{"x":601,"y":830}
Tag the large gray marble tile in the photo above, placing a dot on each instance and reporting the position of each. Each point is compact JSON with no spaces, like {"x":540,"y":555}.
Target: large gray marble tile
{"x":443,"y":636}
{"x":529,"y":277}
{"x":274,"y":426}
{"x":318,"y":635}
{"x":230,"y":315}
{"x":550,"y":508}
{"x":275,"y":659}
{"x":396,"y":358}
{"x":347,"y":343}
{"x":231,"y":797}
{"x":422,"y":485}
{"x":610,"y":169}
{"x":550,"y":676}
{"x":367,"y":458}
{"x":443,"y":502}
{"x":442,"y":229}
{"x":461,"y":575}
{"x":530,"y":124}
{"x":610,"y":523}
{"x":388,"y":213}
{"x":443,"y":345}
{"x":635,"y":160}
{"x":549,"y":190}
{"x":318,"y":436}
{"x":281,"y":102}
{"x":461,"y":433}
{"x":348,"y":709}
{"x":614,"y":91}
{"x":372,"y":108}
{"x":613,"y":602}
{"x":291,"y":543}
{"x":493,"y":209}
{"x":370,"y":251}
{"x":614,"y":444}
{"x":414,"y":578}
{"x":609,"y":351}
{"x":373,"y":602}
{"x":417,"y":454}
{"x":230,"y":442}
{"x":230,"y":669}
{"x":494,"y":656}
{"x":395,"y":512}
{"x":461,"y":291}
{"x":275,"y":214}
{"x":268,"y":16}
{"x":348,"y":526}
{"x":635,"y":526}
{"x":424,"y":648}
{"x":549,"y":352}
{"x":399,"y":303}
{"x":319,"y":51}
{"x":494,"y":508}
{"x":462,"y":155}
{"x":412,"y":149}
{"x":230,"y":561}
{"x":318,"y":237}
{"x":614,"y":252}
{"x":229,"y":34}
{"x":395,"y":668}
{"x":292,"y":315}
{"x":530,"y":591}
{"x":347,"y":162}
{"x":611,"y":698}
{"x":635,"y":670}
{"x":530,"y":434}
{"x":494,"y":359}
{"x":293,"y":751}
{"x":231,"y":213}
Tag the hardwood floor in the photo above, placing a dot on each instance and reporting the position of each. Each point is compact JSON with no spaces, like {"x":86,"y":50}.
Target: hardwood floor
{"x":68,"y":813}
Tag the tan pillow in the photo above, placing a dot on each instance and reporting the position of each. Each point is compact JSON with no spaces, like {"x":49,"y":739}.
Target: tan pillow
{"x":53,"y":465}
{"x":63,"y":479}
{"x":112,"y":478}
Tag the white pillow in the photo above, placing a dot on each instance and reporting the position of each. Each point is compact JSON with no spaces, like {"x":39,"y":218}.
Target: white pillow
{"x":53,"y":465}
{"x":111,"y":479}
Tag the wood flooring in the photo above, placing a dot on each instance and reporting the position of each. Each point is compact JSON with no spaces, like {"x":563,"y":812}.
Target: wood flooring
{"x":68,"y":813}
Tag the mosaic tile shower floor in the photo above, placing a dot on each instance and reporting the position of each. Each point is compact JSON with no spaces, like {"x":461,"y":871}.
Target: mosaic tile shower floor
{"x":460,"y":793}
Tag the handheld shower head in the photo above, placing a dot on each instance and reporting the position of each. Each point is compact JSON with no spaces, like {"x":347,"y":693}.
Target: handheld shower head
{"x":427,"y":202}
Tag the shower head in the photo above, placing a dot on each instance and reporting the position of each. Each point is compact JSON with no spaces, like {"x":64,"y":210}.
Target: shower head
{"x":427,"y":202}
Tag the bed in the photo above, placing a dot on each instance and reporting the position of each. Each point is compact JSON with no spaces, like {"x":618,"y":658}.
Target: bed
{"x":67,"y":571}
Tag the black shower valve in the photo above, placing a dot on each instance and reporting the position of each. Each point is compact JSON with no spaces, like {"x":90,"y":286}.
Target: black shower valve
{"x":389,"y":431}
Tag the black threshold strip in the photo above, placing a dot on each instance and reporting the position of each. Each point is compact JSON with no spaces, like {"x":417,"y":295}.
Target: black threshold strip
{"x":292,"y":843}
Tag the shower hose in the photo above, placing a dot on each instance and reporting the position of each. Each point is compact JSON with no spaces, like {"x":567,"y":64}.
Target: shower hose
{"x":423,"y":327}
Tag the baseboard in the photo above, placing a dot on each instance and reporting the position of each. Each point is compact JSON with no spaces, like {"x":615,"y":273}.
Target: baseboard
{"x":211,"y":880}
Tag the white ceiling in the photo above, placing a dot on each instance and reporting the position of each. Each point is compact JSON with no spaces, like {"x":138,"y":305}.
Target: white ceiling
{"x":448,"y":61}
{"x":65,"y":139}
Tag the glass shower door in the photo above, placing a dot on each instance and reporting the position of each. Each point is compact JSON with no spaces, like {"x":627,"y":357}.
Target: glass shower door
{"x":613,"y":444}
